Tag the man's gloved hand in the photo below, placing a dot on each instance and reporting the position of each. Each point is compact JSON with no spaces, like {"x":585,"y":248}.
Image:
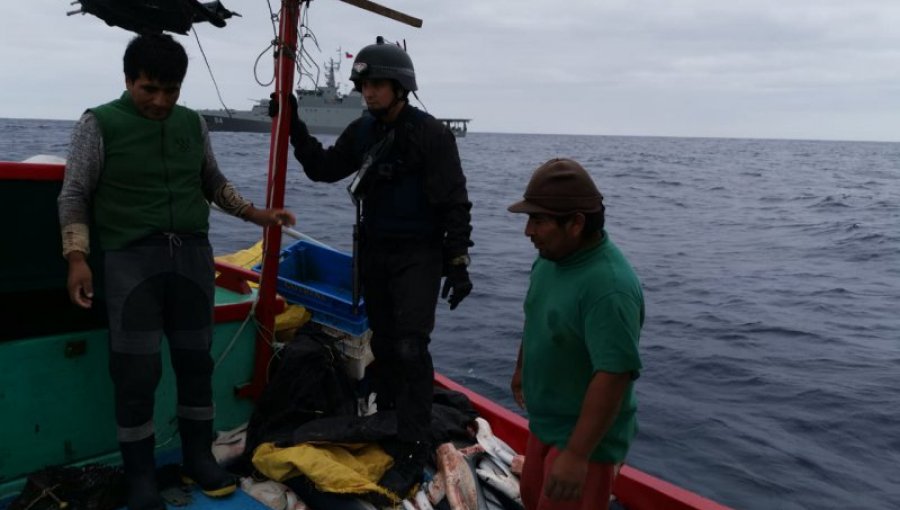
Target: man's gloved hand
{"x":458,"y":280}
{"x":299,"y":131}
{"x":273,"y":105}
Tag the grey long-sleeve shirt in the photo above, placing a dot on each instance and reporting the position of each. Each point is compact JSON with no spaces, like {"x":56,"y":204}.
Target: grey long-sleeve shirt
{"x":84,"y":165}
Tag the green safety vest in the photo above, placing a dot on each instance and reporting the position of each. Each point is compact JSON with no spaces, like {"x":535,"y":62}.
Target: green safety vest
{"x":151,"y":174}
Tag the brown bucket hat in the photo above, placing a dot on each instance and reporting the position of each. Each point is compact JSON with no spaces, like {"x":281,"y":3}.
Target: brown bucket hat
{"x":560,"y":187}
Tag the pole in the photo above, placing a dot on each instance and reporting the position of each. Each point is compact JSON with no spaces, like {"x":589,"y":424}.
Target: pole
{"x":356,"y":275}
{"x":285,"y":56}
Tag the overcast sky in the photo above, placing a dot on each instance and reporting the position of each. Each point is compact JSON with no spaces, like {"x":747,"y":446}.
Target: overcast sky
{"x":810,"y":69}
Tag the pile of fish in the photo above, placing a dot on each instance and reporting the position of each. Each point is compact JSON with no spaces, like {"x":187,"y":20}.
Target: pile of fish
{"x":481,"y":476}
{"x":489,"y":460}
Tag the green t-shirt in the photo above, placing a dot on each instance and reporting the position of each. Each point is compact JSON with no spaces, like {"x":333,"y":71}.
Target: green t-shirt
{"x":583,"y":314}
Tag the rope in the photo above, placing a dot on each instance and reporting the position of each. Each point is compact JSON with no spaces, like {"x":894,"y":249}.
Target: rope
{"x":48,"y":491}
{"x":272,"y":44}
{"x":209,"y":68}
{"x":419,"y":100}
{"x":256,"y":65}
{"x":237,"y":334}
{"x":303,"y":32}
{"x":300,"y":54}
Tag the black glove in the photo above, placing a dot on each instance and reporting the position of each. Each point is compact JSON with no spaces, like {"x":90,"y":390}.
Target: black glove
{"x":299,"y":130}
{"x":458,"y":280}
{"x":273,"y":105}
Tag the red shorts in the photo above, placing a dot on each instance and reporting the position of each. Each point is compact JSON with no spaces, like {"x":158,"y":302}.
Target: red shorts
{"x":538,"y":461}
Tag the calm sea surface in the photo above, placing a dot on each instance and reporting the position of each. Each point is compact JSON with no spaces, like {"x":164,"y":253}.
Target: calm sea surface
{"x":771,"y":271}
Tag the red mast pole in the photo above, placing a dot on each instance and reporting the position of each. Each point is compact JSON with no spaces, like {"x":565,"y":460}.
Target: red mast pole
{"x":285,"y":58}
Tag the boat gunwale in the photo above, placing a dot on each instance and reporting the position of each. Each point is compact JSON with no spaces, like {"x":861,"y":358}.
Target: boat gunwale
{"x":26,"y":171}
{"x":635,"y":489}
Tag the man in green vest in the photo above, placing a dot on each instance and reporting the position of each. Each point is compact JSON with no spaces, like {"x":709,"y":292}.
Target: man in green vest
{"x":142,"y":173}
{"x":579,"y":353}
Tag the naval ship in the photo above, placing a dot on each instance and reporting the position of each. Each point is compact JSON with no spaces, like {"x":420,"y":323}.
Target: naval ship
{"x":325,"y":110}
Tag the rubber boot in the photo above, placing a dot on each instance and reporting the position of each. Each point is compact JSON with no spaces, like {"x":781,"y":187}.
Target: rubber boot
{"x":198,"y":464}
{"x":407,"y":470}
{"x":140,"y":475}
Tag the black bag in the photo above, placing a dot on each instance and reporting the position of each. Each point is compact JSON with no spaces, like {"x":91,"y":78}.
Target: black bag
{"x":310,"y":383}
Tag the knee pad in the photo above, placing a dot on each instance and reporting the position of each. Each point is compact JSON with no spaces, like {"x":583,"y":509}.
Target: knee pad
{"x":192,"y":362}
{"x":135,"y":373}
{"x":412,"y":350}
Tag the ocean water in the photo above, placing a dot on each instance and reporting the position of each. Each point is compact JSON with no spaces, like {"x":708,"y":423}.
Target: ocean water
{"x":771,"y":272}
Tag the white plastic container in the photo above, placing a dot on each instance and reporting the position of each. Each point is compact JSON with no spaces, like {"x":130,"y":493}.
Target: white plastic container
{"x":355,"y":350}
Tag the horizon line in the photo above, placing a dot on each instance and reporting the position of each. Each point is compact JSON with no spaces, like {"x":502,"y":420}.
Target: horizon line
{"x":693,"y":137}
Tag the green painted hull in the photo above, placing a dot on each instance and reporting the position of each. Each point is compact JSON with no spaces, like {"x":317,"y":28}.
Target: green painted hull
{"x":56,"y":397}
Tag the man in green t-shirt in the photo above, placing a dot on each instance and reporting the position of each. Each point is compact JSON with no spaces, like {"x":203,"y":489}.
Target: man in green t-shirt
{"x":579,"y":353}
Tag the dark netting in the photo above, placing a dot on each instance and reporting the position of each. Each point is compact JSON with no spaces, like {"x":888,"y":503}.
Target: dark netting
{"x":89,"y":487}
{"x":308,"y":384}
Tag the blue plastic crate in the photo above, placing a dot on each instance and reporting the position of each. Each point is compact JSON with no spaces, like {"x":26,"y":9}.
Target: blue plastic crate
{"x":321,"y":279}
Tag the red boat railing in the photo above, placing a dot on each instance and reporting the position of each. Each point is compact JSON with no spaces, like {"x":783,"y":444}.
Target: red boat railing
{"x":635,"y":489}
{"x":15,"y":171}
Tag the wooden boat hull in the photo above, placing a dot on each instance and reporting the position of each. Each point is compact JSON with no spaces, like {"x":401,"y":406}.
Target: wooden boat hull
{"x":56,"y":395}
{"x":56,"y":398}
{"x":55,"y":390}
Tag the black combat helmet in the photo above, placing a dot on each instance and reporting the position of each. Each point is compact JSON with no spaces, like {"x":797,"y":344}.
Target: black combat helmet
{"x":386,"y":62}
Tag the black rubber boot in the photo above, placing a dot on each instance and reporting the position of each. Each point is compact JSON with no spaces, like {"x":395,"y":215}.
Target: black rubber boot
{"x":407,"y":470}
{"x":140,"y":475}
{"x":198,"y":464}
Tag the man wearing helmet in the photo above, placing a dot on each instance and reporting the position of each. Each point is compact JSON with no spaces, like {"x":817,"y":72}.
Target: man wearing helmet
{"x":579,"y":354}
{"x":415,"y":227}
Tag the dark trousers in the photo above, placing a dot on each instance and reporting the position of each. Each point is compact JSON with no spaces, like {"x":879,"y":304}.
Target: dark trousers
{"x":161,"y":285}
{"x":401,"y":281}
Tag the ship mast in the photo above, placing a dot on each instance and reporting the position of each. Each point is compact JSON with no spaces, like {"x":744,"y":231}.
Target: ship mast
{"x":285,"y":57}
{"x":330,"y":80}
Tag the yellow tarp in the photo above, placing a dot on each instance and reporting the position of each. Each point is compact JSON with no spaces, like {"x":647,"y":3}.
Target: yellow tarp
{"x":245,"y":258}
{"x":332,"y":467}
{"x":293,"y":316}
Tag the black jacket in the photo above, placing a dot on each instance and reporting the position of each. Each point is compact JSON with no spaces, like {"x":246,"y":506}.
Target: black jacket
{"x":422,"y":177}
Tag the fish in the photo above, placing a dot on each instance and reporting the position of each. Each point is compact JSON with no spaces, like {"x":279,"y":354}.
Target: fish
{"x":461,"y":485}
{"x":229,"y":444}
{"x":517,"y":465}
{"x":422,"y":501}
{"x":494,"y":446}
{"x":272,"y":494}
{"x":418,"y":502}
{"x":436,"y":489}
{"x":499,"y":479}
{"x":472,"y":450}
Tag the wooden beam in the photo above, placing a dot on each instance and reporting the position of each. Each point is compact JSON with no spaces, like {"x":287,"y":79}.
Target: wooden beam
{"x":386,"y":12}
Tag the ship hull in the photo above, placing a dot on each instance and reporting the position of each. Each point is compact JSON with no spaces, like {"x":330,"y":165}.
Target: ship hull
{"x":221,"y":122}
{"x":325,"y":121}
{"x":323,"y":113}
